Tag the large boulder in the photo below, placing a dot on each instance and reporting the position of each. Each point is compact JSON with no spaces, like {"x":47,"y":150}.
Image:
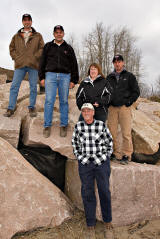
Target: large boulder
{"x":32,"y":128}
{"x":10,"y":129}
{"x":145,"y":133}
{"x":28,"y":199}
{"x":3,"y":79}
{"x":151,"y":109}
{"x":5,"y":91}
{"x":135,"y":191}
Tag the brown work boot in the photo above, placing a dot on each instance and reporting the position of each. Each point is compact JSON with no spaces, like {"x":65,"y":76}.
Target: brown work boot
{"x":47,"y":132}
{"x":90,"y":234}
{"x":63,"y":131}
{"x":108,"y":231}
{"x":32,"y":112}
{"x":9,"y":113}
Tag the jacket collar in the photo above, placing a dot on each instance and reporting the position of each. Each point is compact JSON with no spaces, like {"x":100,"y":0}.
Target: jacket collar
{"x":114,"y":72}
{"x":53,"y":42}
{"x":33,"y":30}
{"x":89,"y":80}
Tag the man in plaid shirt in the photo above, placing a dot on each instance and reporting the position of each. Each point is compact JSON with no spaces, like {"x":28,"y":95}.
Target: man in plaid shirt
{"x":93,"y":146}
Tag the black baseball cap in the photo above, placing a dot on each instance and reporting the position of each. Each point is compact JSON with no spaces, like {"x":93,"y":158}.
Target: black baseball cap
{"x":117,"y":57}
{"x":26,"y":15}
{"x":58,"y":27}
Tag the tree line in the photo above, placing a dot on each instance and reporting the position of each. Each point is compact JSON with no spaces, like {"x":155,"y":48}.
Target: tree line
{"x":101,"y":44}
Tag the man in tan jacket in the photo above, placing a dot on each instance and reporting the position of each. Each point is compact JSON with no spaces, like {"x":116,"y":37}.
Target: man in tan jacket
{"x":25,"y":49}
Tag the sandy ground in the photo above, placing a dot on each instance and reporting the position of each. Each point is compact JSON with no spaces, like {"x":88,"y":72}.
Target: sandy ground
{"x":75,"y":228}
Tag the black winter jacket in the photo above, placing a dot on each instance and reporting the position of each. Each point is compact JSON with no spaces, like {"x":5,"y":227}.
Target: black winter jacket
{"x":125,"y":91}
{"x":98,"y":91}
{"x":59,"y":59}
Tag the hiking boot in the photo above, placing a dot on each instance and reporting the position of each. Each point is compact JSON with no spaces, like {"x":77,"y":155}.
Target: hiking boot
{"x":47,"y":132}
{"x":63,"y":131}
{"x":108,"y":231}
{"x":90,"y":234}
{"x":124,"y":160}
{"x":9,"y":113}
{"x":32,"y":112}
{"x":113,"y":157}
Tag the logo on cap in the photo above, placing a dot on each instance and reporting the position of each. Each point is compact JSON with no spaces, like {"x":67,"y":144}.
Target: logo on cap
{"x":27,"y":15}
{"x":58,"y":27}
{"x":117,"y":58}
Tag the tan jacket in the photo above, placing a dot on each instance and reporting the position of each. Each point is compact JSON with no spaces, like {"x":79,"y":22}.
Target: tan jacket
{"x":29,"y":54}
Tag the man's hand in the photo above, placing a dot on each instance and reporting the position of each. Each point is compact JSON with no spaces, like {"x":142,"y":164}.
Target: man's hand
{"x":71,"y":85}
{"x":42,"y":83}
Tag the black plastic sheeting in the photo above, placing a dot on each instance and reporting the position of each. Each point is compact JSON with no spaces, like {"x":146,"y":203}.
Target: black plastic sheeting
{"x":49,"y":163}
{"x":145,"y":158}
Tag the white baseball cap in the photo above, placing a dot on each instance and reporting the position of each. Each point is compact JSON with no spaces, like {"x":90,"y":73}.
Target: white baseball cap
{"x":87,"y":105}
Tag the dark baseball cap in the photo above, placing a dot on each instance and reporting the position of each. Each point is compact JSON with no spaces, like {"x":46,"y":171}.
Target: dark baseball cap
{"x":58,"y":27}
{"x":117,"y":57}
{"x":27,"y":15}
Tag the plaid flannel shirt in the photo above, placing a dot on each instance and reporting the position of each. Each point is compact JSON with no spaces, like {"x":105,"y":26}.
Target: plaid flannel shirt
{"x":92,"y":142}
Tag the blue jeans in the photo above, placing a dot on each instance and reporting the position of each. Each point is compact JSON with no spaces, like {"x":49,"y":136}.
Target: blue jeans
{"x":52,"y":82}
{"x":19,"y":75}
{"x":88,"y":174}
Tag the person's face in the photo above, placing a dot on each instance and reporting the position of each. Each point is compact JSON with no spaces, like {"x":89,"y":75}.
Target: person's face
{"x":93,"y":72}
{"x":59,"y":34}
{"x":27,"y":23}
{"x":118,"y":65}
{"x":87,"y":114}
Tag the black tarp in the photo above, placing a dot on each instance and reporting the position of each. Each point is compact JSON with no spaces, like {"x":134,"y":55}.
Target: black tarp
{"x":49,"y":163}
{"x":145,"y":158}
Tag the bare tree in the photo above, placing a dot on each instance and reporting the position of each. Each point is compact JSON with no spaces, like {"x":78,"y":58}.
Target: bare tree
{"x":101,"y":44}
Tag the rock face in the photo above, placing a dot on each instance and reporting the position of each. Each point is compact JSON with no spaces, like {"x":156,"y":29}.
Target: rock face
{"x":27,"y":199}
{"x":33,"y":135}
{"x":5,"y":90}
{"x":3,"y":78}
{"x":151,"y":109}
{"x":145,"y":132}
{"x":10,"y":129}
{"x":135,"y":191}
{"x":33,"y":128}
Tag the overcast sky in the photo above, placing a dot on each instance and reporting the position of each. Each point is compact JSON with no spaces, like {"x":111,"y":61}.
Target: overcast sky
{"x":142,"y":17}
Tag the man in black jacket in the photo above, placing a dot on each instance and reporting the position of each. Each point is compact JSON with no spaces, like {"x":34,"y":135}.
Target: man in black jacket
{"x":125,"y":93}
{"x":58,"y":66}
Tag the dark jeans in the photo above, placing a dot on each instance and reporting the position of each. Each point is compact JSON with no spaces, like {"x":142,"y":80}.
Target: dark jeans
{"x":88,"y":173}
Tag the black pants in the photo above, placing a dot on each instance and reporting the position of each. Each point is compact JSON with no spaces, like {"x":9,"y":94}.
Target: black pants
{"x":88,"y":174}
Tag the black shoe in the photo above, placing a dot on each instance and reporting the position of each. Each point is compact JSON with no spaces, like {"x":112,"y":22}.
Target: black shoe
{"x":32,"y":112}
{"x":113,"y":157}
{"x":47,"y":132}
{"x":124,"y":160}
{"x":63,"y":131}
{"x":9,"y":113}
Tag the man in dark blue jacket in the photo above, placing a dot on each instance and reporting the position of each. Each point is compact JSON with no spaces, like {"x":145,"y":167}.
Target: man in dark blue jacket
{"x":125,"y":93}
{"x":58,"y":66}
